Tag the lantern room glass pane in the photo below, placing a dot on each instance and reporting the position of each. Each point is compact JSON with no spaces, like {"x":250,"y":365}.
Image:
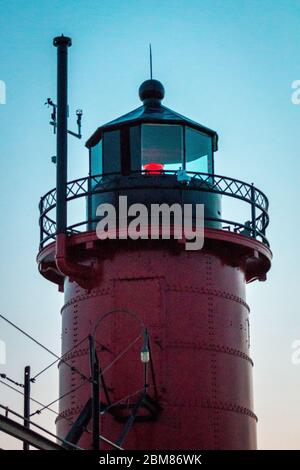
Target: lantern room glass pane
{"x":198,"y":151}
{"x":111,"y":152}
{"x":135,"y":148}
{"x":162,"y":145}
{"x":96,"y":161}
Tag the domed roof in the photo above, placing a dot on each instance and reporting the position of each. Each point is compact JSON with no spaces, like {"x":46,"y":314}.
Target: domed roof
{"x":151,"y":92}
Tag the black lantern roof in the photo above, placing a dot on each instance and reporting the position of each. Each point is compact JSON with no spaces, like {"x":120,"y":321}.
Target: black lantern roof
{"x":151,"y":92}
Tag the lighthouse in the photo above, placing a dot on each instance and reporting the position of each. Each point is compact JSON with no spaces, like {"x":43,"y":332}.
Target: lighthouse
{"x":155,"y":337}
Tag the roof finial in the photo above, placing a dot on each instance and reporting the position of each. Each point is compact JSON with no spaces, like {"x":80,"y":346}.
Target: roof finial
{"x":150,"y":52}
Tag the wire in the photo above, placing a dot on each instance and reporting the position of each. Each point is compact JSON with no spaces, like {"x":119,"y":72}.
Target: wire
{"x":82,"y":384}
{"x":28,"y":336}
{"x":56,"y":360}
{"x":38,"y":403}
{"x":120,"y":355}
{"x":5,"y":377}
{"x":62,"y":416}
{"x":43,"y":370}
{"x":44,"y":347}
{"x":8,"y":410}
{"x":118,"y":310}
{"x":47,"y":407}
{"x":32,"y":399}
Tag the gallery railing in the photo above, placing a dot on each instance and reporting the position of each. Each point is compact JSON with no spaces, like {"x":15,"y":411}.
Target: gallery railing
{"x":89,"y":186}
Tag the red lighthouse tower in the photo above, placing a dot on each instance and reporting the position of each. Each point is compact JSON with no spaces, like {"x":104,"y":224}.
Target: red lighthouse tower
{"x":157,"y":336}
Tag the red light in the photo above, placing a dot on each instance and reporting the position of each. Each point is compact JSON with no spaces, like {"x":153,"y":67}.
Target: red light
{"x":154,"y":168}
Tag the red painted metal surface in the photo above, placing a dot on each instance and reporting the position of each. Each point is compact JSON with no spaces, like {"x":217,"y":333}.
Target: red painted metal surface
{"x":193,"y":304}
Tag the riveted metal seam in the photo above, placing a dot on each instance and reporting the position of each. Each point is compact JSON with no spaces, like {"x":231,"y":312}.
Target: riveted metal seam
{"x":226,"y":406}
{"x":210,"y":347}
{"x":206,"y":291}
{"x":77,"y":353}
{"x":93,"y":293}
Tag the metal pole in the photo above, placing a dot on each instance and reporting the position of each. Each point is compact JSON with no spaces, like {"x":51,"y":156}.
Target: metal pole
{"x":263,"y":224}
{"x":26,"y":402}
{"x":94,"y":365}
{"x":253,"y":211}
{"x":62,"y":43}
{"x":89,"y":201}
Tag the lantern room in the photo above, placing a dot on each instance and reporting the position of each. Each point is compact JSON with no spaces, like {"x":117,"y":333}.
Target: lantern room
{"x":152,"y":138}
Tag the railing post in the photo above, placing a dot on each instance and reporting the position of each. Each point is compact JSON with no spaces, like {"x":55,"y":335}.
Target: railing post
{"x":89,"y":203}
{"x":253,"y":211}
{"x":26,"y":402}
{"x":263,"y":228}
{"x":41,"y":209}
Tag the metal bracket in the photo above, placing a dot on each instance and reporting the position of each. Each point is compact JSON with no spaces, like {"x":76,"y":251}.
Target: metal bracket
{"x":53,"y":121}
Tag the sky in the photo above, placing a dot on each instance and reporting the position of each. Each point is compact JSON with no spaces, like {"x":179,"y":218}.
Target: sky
{"x":228,"y":64}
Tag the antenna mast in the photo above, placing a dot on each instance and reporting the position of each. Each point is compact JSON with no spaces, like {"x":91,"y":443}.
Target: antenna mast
{"x":150,"y":52}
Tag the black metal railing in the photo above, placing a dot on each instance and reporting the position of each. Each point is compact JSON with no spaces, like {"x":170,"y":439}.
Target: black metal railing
{"x":86,"y":187}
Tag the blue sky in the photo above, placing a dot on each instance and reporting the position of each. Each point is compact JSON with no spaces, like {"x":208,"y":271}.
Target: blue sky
{"x":227,"y":64}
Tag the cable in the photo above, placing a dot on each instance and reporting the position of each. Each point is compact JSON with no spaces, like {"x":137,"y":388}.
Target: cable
{"x":39,"y":403}
{"x":28,"y":336}
{"x":5,"y":377}
{"x":8,"y":410}
{"x":120,"y":355}
{"x":43,"y":370}
{"x":62,"y":416}
{"x":56,"y":360}
{"x":81,"y":385}
{"x":44,"y":347}
{"x":32,"y":399}
{"x":47,"y":407}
